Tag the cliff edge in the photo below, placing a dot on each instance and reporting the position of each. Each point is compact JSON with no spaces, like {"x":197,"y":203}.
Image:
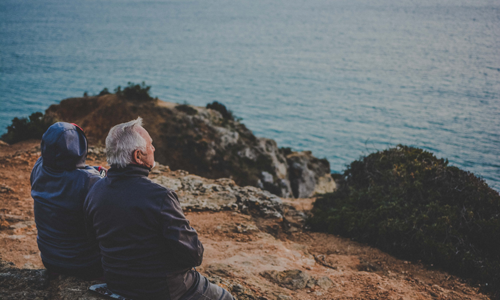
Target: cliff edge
{"x":255,"y":245}
{"x":204,"y":142}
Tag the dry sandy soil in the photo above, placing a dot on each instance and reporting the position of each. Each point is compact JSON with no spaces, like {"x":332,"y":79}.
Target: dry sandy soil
{"x":239,"y":248}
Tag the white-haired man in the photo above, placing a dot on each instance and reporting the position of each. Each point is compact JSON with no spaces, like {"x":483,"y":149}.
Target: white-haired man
{"x":148,"y":247}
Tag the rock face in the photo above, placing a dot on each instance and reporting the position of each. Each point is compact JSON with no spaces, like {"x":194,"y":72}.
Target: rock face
{"x":309,"y":175}
{"x":201,"y":194}
{"x":203,"y":142}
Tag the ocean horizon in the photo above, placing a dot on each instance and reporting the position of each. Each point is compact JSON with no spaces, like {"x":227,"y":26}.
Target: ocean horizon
{"x":341,"y":78}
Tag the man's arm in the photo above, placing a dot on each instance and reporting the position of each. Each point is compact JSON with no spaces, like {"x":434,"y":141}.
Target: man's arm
{"x":181,"y":237}
{"x":93,"y":177}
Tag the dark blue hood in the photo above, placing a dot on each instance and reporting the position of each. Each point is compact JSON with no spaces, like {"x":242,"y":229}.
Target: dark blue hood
{"x":64,"y":147}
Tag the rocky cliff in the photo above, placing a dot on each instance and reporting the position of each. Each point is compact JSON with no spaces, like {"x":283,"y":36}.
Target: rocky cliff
{"x":204,"y":142}
{"x":256,"y":245}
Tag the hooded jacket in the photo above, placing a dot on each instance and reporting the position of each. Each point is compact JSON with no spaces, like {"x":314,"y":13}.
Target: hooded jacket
{"x":60,"y":181}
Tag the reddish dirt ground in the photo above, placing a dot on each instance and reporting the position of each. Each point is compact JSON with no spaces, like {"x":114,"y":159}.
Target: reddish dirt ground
{"x":238,"y":248}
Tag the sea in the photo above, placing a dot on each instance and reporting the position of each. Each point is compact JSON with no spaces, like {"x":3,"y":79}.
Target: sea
{"x":342,"y":78}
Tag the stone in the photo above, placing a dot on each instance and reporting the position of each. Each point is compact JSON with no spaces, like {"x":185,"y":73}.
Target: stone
{"x":324,"y":282}
{"x":302,"y":180}
{"x":4,"y":189}
{"x":170,"y":183}
{"x":309,"y":175}
{"x":227,"y":137}
{"x":197,"y":193}
{"x":291,"y":279}
{"x":218,"y":269}
{"x":267,"y":177}
{"x":238,"y":288}
{"x":311,"y":283}
{"x":325,"y":184}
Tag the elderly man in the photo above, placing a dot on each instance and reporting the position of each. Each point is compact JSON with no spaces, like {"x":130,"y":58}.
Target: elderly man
{"x":148,"y":247}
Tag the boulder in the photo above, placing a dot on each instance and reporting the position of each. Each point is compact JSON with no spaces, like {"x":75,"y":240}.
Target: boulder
{"x":198,"y":194}
{"x":324,"y":282}
{"x":291,"y":279}
{"x":309,"y":175}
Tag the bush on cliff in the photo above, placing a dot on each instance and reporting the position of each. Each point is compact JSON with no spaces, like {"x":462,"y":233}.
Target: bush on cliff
{"x":135,"y":92}
{"x":226,"y":113}
{"x":187,"y":109}
{"x":407,"y":202}
{"x":104,"y":92}
{"x":32,"y":127}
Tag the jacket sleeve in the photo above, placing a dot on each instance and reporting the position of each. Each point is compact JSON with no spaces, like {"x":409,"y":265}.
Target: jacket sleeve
{"x":35,"y":169}
{"x":93,"y":177}
{"x":182,"y":239}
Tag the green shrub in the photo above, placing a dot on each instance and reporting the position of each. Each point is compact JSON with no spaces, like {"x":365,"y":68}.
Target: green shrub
{"x":407,"y":202}
{"x":286,"y":151}
{"x":226,"y":114}
{"x":135,"y":92}
{"x":337,"y":176}
{"x":187,"y":109}
{"x":27,"y":128}
{"x":104,"y":91}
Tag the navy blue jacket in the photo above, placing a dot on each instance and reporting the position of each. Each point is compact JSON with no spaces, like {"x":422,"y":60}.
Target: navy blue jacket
{"x":142,"y":232}
{"x":60,"y":181}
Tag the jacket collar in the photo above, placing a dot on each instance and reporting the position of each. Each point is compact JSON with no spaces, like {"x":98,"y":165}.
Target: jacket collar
{"x":129,"y":170}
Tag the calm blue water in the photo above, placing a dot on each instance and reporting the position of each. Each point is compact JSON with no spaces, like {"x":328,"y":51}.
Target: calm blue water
{"x":342,"y":78}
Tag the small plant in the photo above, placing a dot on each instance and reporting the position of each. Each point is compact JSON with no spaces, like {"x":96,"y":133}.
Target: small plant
{"x":337,"y":176}
{"x":187,"y":109}
{"x":135,"y":92}
{"x":286,"y":151}
{"x":104,"y":91}
{"x":226,"y":114}
{"x":406,"y":201}
{"x":32,"y":127}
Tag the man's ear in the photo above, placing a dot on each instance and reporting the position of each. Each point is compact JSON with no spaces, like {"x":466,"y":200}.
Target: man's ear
{"x":136,"y":157}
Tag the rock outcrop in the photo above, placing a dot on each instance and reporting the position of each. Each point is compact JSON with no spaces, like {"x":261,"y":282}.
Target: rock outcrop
{"x":309,"y":175}
{"x":200,"y":194}
{"x":203,"y":142}
{"x":249,"y":249}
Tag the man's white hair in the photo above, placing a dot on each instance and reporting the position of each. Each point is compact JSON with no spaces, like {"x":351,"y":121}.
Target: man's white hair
{"x":121,"y":142}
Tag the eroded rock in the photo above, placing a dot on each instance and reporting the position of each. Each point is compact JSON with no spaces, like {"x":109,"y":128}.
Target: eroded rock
{"x":291,"y":279}
{"x":297,"y":279}
{"x":309,"y":175}
{"x":201,"y":141}
{"x":197,"y":193}
{"x":325,"y":282}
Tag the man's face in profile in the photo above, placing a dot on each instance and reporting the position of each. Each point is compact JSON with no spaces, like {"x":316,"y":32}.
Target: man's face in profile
{"x":147,"y":158}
